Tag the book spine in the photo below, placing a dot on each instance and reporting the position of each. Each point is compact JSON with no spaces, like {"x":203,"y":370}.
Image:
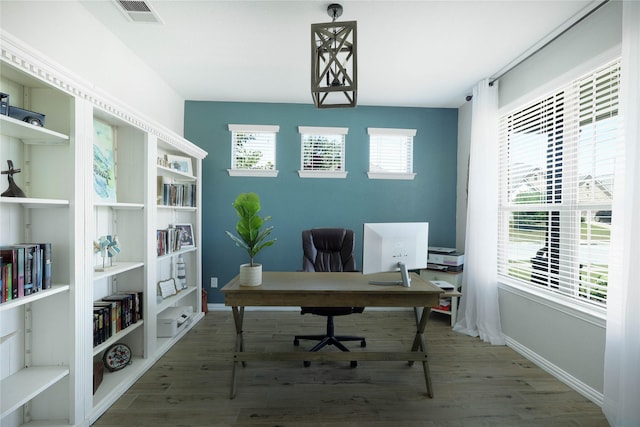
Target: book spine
{"x":45,"y":265}
{"x":20,"y":272}
{"x":4,"y":274}
{"x":10,"y":256}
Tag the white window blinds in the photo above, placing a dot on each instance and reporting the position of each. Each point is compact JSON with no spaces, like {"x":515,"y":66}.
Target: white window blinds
{"x":556,"y":185}
{"x":322,"y":149}
{"x":391,"y":151}
{"x":253,"y":147}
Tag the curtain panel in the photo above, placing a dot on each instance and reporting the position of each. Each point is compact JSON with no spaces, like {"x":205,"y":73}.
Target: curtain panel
{"x":622,"y":351}
{"x":479,"y":313}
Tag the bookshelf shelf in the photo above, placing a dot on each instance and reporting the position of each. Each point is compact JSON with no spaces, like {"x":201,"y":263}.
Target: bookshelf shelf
{"x":115,"y":205}
{"x":177,"y":208}
{"x":117,"y":268}
{"x":165,"y":344}
{"x":117,"y":337}
{"x":172,"y":173}
{"x":27,"y":383}
{"x":34,"y":203}
{"x":116,"y":383}
{"x":45,"y":293}
{"x":176,"y":253}
{"x":174,"y":299}
{"x":30,"y":134}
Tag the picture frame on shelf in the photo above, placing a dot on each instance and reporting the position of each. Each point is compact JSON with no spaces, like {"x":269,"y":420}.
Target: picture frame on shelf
{"x":180,"y":164}
{"x":167,"y":288}
{"x":104,"y":161}
{"x":186,"y":236}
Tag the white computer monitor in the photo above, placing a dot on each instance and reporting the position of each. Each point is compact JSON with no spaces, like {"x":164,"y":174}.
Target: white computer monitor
{"x":395,"y":246}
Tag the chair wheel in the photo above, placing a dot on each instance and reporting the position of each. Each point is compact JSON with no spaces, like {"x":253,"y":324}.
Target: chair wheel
{"x":306,"y":363}
{"x":296,"y":342}
{"x":354,"y":363}
{"x":363,"y":343}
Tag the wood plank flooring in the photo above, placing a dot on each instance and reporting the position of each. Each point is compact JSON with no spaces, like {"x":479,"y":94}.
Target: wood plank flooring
{"x":475,"y":384}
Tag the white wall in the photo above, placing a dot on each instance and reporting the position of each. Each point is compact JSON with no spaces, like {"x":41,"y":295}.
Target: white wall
{"x":565,"y":341}
{"x":68,"y":34}
{"x":577,"y":51}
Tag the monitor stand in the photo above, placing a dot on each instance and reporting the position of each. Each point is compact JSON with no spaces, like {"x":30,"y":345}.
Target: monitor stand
{"x":404,"y":272}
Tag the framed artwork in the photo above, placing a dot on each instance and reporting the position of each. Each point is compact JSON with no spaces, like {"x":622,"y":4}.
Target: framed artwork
{"x":186,"y":235}
{"x":104,"y":161}
{"x":180,"y":164}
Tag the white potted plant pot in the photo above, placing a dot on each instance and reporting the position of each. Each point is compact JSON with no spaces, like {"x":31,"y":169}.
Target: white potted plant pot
{"x":250,"y":275}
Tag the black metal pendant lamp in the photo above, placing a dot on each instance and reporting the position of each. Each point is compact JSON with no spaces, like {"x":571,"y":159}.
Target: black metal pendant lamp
{"x":334,"y":71}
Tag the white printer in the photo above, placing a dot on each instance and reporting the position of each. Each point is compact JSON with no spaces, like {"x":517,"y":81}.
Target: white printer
{"x":445,"y":259}
{"x":173,"y":320}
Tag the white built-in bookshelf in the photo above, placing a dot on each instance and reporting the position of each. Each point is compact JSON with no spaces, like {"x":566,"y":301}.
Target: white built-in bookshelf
{"x":47,"y":347}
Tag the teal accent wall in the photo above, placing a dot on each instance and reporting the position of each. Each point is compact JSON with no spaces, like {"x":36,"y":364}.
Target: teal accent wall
{"x":298,"y":203}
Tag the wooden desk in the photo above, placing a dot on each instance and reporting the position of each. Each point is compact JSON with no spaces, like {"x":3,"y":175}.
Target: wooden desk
{"x":332,"y":290}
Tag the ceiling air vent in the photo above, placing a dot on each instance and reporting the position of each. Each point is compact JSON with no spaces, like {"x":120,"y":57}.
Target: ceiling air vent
{"x":138,"y":11}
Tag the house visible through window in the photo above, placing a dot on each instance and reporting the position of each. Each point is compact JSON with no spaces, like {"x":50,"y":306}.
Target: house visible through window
{"x":322,"y":152}
{"x":557,"y":158}
{"x":391,"y":153}
{"x":253,"y":150}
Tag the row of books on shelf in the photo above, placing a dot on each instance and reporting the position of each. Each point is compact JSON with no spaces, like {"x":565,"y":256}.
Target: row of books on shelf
{"x":176,"y":194}
{"x":168,"y":240}
{"x":114,"y":313}
{"x":25,"y":269}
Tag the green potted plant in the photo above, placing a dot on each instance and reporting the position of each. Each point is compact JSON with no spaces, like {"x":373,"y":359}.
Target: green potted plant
{"x":251,"y":237}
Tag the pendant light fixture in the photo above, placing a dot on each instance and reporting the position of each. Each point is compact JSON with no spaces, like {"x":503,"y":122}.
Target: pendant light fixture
{"x":334,"y":62}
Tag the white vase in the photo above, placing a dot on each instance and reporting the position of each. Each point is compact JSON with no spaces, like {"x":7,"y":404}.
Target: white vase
{"x":250,"y":276}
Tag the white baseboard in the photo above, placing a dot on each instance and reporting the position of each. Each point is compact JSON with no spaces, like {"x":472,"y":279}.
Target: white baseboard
{"x":563,"y":376}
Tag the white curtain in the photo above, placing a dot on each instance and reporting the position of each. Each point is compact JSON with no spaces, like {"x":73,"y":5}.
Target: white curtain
{"x":479,"y":314}
{"x":622,"y":352}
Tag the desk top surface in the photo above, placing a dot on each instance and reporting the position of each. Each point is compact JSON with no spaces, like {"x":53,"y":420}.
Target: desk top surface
{"x":329,"y":289}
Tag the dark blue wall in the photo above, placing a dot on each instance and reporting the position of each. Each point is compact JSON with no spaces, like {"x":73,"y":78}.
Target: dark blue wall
{"x":296,"y":203}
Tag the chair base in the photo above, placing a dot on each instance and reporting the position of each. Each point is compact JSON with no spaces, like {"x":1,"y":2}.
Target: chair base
{"x":329,"y":339}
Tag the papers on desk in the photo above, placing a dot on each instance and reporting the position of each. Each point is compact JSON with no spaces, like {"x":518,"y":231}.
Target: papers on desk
{"x":443,"y":285}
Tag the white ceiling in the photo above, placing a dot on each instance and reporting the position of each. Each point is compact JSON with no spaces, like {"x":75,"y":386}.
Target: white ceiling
{"x":410,"y":53}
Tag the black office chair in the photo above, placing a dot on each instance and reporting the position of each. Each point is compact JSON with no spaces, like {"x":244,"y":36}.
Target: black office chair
{"x":329,"y":250}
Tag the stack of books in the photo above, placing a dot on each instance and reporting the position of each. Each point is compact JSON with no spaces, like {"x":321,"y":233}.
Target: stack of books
{"x":25,"y":269}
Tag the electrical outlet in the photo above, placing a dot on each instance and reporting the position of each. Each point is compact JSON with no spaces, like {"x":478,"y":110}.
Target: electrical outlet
{"x":214,"y":282}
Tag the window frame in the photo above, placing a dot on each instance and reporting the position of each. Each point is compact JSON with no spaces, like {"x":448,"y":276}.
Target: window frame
{"x":322,"y":131}
{"x":256,"y":129}
{"x":404,"y":136}
{"x":566,"y":280}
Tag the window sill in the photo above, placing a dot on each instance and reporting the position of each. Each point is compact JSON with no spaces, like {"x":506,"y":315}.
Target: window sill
{"x":253,"y":172}
{"x":321,"y":174}
{"x":585,"y":312}
{"x":388,"y":175}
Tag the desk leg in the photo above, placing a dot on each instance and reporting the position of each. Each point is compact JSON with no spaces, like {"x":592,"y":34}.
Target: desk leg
{"x":420,"y":345}
{"x":238,"y":317}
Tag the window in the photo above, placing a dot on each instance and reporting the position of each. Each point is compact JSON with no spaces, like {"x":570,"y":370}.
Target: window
{"x":322,"y":152}
{"x":253,"y":150}
{"x":557,"y":159}
{"x":391,"y":153}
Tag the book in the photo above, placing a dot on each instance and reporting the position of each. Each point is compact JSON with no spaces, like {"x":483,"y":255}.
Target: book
{"x":99,"y":321}
{"x":112,"y":317}
{"x":14,"y":256}
{"x":44,"y":267}
{"x":8,"y":279}
{"x":126,"y":307}
{"x":136,"y":313}
{"x":20,"y":272}
{"x":5,"y":273}
{"x":31,"y":260}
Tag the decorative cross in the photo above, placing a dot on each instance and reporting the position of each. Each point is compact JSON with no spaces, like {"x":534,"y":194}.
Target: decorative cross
{"x":13,"y":190}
